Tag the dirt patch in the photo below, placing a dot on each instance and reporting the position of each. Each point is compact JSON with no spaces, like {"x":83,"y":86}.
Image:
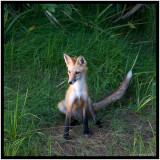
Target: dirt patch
{"x":116,"y":138}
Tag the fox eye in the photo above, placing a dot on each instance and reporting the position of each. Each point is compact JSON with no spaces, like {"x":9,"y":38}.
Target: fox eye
{"x":77,"y":72}
{"x":69,"y":72}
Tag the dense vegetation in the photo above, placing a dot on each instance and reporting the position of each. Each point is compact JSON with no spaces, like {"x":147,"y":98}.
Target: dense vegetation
{"x":35,"y":77}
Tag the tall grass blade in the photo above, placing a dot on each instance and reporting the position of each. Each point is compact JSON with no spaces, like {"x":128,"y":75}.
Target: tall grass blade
{"x":15,"y":20}
{"x":15,"y":117}
{"x":136,"y":57}
{"x":16,"y":145}
{"x":25,"y":101}
{"x":141,"y":106}
{"x":152,"y":132}
{"x":104,"y":11}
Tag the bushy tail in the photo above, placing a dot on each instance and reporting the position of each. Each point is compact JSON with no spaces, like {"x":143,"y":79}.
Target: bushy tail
{"x":116,"y":95}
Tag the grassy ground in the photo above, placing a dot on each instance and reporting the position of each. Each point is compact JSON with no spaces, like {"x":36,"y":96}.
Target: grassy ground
{"x":35,"y":80}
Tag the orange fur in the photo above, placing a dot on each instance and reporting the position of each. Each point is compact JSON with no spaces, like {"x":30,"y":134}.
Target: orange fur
{"x":77,"y":94}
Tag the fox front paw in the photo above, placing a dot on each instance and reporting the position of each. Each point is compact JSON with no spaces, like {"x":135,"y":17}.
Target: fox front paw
{"x":87,"y":134}
{"x":66,"y":136}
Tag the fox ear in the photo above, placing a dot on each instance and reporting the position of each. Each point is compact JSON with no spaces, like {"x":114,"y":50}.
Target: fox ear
{"x":81,"y":61}
{"x":67,"y":59}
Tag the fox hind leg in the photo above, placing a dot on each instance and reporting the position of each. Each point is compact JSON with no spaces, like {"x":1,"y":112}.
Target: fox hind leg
{"x":85,"y":120}
{"x":62,"y":107}
{"x":90,"y":106}
{"x":75,"y":122}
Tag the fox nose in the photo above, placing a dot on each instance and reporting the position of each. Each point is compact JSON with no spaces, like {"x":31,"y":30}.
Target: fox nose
{"x":70,"y":82}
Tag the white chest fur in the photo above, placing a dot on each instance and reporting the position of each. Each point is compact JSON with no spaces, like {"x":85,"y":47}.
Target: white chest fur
{"x":79,"y":90}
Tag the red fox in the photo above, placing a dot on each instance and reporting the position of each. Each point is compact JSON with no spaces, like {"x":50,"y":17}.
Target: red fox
{"x":77,"y":102}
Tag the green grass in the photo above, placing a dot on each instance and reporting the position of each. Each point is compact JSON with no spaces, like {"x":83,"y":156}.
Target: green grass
{"x":35,"y":80}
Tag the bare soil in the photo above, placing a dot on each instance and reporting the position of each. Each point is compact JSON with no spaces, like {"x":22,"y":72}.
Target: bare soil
{"x":116,"y":138}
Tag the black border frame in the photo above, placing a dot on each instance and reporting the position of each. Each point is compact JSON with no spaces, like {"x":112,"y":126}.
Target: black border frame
{"x":79,"y":157}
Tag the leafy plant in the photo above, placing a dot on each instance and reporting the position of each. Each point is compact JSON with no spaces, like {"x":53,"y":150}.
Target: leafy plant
{"x":50,"y":7}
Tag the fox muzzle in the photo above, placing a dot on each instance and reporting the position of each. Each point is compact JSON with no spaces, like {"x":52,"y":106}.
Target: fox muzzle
{"x":73,"y":81}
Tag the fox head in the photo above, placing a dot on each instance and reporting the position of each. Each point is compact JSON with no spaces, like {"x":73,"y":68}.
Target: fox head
{"x":76,"y":68}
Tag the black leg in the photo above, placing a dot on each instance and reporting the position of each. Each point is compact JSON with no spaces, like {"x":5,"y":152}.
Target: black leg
{"x":66,"y":129}
{"x":85,"y":123}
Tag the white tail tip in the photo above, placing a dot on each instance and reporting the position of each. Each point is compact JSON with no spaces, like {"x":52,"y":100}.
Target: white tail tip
{"x":129,"y":74}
